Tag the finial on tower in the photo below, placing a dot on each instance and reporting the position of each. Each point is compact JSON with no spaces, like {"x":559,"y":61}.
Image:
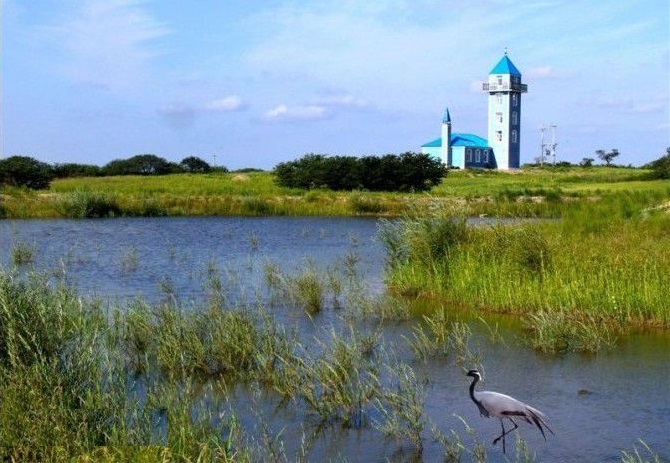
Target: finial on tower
{"x":505,"y":51}
{"x":446,"y":118}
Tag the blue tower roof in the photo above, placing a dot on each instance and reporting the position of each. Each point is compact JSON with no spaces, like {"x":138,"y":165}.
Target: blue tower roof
{"x":505,"y":66}
{"x":460,"y":139}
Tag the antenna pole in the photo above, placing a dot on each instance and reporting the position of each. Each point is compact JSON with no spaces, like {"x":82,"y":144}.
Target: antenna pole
{"x":542,"y":145}
{"x":553,"y":143}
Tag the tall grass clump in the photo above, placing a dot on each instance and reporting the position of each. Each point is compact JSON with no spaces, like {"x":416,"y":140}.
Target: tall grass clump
{"x":60,"y":395}
{"x":401,"y":405}
{"x":205,"y":343}
{"x":22,"y":254}
{"x":557,"y":332}
{"x":602,"y":264}
{"x":337,"y":383}
{"x":84,"y":203}
{"x":422,"y":249}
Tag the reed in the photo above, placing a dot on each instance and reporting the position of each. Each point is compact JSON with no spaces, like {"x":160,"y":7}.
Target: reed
{"x":640,"y":455}
{"x":84,"y":203}
{"x":601,"y":264}
{"x":22,"y":254}
{"x":401,"y":406}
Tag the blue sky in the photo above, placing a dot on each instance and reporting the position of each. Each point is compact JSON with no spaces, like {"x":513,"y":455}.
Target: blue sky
{"x":255,"y":83}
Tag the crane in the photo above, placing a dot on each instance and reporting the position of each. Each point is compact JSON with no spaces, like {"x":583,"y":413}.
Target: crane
{"x":503,"y":406}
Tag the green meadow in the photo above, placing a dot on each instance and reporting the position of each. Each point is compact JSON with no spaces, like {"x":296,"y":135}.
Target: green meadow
{"x":527,"y":193}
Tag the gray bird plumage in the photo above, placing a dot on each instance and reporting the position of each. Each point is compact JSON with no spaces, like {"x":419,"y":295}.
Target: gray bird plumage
{"x":503,"y":406}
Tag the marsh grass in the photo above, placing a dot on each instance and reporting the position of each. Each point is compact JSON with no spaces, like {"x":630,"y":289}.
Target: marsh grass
{"x":604,"y":266}
{"x":557,"y":332}
{"x":401,"y":405}
{"x":22,"y":254}
{"x":84,"y":203}
{"x":153,"y":382}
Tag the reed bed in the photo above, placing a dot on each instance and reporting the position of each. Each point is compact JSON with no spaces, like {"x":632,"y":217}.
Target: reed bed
{"x":153,"y":382}
{"x":604,"y":265}
{"x":156,"y":382}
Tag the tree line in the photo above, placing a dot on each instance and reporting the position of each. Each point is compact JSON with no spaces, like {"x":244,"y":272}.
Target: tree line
{"x":405,"y":172}
{"x":31,"y":173}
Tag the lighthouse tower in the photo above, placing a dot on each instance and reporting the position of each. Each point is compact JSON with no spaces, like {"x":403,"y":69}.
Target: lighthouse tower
{"x":446,"y":138}
{"x":504,"y":129}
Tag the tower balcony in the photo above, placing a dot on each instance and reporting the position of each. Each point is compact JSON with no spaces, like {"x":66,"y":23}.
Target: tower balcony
{"x":488,"y":87}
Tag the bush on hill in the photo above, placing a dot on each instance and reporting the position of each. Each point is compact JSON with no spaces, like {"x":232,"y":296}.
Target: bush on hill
{"x":404,"y":172}
{"x":24,"y":171}
{"x":141,"y":164}
{"x":660,"y":168}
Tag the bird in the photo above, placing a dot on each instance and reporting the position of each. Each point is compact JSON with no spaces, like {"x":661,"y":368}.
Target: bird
{"x":503,"y":406}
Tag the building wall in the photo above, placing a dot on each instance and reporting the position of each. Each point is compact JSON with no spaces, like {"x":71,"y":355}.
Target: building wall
{"x":458,"y":157}
{"x":432,"y":151}
{"x":479,"y":158}
{"x":504,"y":121}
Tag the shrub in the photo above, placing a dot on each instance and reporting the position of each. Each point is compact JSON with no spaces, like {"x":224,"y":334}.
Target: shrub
{"x":75,"y":170}
{"x":25,"y":171}
{"x":142,"y":164}
{"x":661,"y":166}
{"x":405,"y":172}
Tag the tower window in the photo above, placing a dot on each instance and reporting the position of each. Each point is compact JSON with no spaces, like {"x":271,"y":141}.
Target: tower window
{"x":499,"y":98}
{"x":514,"y":136}
{"x":499,"y":135}
{"x":514,"y":99}
{"x":515,"y":118}
{"x":499,"y":117}
{"x":499,"y":80}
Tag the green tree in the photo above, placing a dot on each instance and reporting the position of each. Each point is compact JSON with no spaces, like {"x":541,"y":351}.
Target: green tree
{"x":75,"y":170}
{"x":607,"y":156}
{"x":141,"y":164}
{"x":25,"y":171}
{"x":586,"y":162}
{"x":194,"y":164}
{"x":660,"y":168}
{"x":405,"y":172}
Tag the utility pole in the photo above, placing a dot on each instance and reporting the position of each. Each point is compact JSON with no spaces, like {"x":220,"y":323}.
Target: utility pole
{"x":542,"y":145}
{"x":553,"y":143}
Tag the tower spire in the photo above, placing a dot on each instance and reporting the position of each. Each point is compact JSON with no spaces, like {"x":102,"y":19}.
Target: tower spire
{"x":446,"y":118}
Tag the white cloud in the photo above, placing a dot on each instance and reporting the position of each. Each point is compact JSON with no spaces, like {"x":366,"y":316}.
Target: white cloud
{"x":296,"y":113}
{"x":105,"y":43}
{"x":342,"y":100}
{"x":229,"y":103}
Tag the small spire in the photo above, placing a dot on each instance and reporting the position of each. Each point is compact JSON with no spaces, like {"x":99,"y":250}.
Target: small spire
{"x":446,"y":119}
{"x":505,"y":51}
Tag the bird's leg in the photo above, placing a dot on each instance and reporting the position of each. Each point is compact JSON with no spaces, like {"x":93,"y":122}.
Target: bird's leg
{"x":504,"y":433}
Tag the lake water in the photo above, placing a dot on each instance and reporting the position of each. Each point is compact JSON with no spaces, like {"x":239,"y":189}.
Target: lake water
{"x":597,"y":405}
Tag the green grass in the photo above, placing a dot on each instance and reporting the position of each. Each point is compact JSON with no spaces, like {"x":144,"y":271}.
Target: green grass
{"x":525,"y":193}
{"x":604,"y":264}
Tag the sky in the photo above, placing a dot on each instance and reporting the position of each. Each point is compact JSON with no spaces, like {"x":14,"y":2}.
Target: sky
{"x":255,"y":83}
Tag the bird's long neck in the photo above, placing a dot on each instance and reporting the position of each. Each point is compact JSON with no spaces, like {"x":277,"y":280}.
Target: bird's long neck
{"x":482,"y":410}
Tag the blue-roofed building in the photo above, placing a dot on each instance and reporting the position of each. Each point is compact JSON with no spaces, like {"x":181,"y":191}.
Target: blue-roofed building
{"x":502,"y":149}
